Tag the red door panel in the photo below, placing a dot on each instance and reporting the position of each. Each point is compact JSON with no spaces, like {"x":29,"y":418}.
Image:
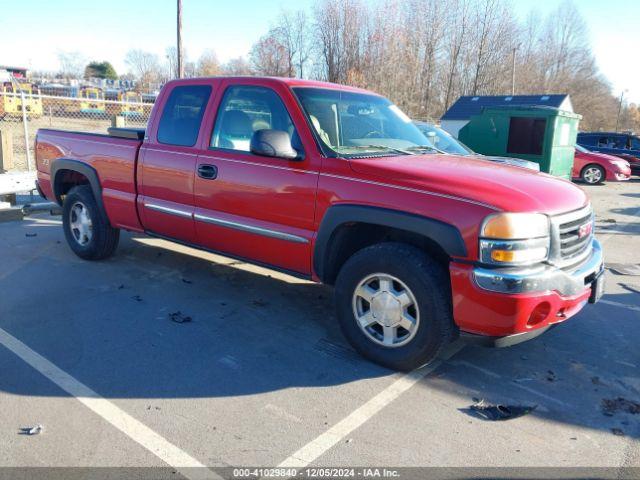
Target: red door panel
{"x":258,"y":208}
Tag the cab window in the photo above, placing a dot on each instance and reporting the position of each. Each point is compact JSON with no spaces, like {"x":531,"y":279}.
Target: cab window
{"x":245,"y":110}
{"x":182,"y":115}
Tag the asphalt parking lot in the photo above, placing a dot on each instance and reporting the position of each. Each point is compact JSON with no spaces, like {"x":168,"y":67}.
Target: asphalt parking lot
{"x":261,"y":375}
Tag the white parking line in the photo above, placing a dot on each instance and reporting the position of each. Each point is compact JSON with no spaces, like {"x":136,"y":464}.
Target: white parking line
{"x":358,"y":417}
{"x":134,"y":429}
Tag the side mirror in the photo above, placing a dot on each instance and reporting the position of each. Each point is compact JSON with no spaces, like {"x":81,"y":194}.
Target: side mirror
{"x":273,"y":143}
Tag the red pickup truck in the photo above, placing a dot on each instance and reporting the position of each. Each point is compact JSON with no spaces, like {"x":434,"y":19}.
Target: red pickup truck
{"x":337,"y":185}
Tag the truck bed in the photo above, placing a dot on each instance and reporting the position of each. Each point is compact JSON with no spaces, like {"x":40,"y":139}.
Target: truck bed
{"x":113,"y":158}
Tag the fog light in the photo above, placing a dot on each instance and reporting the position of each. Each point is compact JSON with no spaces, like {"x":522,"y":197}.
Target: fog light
{"x":539,"y":314}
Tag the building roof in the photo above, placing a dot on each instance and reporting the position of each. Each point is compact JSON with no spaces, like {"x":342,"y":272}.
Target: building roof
{"x":12,"y":68}
{"x":467,"y":106}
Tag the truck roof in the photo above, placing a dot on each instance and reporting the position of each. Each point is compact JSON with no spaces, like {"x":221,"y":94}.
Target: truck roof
{"x":290,"y":82}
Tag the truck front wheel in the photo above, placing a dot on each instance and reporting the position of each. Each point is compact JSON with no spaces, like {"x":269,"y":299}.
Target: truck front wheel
{"x":86,"y":227}
{"x":394,"y":305}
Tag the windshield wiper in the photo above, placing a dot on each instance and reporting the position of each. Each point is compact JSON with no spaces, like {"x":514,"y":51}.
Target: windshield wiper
{"x":425,"y":147}
{"x":384,"y":147}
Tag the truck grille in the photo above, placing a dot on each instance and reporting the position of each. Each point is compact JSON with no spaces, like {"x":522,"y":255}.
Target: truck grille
{"x":572,"y":237}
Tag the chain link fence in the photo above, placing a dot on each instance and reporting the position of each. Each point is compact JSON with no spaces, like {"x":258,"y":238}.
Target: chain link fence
{"x":23,"y":113}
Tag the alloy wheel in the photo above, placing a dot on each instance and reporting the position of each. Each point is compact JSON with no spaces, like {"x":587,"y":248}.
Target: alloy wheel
{"x":386,"y":310}
{"x":80,"y":224}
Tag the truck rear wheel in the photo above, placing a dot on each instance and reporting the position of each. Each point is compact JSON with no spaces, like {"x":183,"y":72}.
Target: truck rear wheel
{"x":86,"y":227}
{"x":394,"y":305}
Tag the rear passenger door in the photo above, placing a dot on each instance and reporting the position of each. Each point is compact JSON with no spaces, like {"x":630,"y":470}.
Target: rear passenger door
{"x":250,"y":206}
{"x":168,"y":161}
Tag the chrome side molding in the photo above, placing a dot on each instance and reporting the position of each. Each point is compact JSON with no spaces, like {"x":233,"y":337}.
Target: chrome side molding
{"x":169,"y":210}
{"x":265,"y":232}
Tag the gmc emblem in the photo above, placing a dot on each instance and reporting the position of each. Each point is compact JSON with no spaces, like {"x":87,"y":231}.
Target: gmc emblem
{"x":585,"y":230}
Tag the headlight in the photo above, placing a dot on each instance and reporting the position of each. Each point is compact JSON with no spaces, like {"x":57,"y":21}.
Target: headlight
{"x":514,"y":239}
{"x":623,"y":164}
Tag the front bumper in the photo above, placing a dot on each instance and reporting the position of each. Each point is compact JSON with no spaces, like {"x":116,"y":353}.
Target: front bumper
{"x":504,"y":341}
{"x":506,"y":302}
{"x":618,"y":174}
{"x":541,"y":278}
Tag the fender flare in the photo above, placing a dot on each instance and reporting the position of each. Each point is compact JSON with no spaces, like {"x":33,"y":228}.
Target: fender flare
{"x":76,"y":166}
{"x":444,"y":234}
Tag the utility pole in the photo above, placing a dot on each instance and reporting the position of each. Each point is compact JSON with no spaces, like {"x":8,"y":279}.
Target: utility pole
{"x":179,"y":49}
{"x":619,"y":109}
{"x":513,"y":71}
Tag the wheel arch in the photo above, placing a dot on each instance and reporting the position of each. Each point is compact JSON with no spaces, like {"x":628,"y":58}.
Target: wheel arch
{"x":67,"y":173}
{"x":346,"y":229}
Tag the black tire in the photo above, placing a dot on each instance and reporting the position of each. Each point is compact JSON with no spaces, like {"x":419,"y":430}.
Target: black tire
{"x":104,"y":238}
{"x":429,"y":283}
{"x":585,"y":177}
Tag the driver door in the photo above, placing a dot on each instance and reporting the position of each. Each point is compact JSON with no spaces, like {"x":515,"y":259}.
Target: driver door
{"x":249,"y":206}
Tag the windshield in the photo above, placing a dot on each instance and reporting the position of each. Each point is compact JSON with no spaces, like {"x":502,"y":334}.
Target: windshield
{"x":443,"y":141}
{"x":360,"y":125}
{"x":581,"y":149}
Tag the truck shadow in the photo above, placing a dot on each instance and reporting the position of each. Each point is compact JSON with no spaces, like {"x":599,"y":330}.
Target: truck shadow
{"x":112,"y":325}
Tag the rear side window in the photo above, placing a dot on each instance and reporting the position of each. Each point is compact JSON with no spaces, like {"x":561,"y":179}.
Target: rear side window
{"x":612,"y":141}
{"x":182,"y":115}
{"x":526,"y":135}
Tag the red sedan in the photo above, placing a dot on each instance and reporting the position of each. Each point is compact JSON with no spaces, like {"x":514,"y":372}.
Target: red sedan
{"x":592,"y":167}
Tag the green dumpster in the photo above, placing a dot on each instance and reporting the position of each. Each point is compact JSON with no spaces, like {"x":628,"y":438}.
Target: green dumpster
{"x":546,"y":135}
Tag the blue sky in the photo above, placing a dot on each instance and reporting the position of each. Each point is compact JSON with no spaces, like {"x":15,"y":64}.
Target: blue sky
{"x":33,"y":31}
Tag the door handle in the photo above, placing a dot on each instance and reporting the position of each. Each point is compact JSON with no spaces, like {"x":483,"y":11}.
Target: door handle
{"x":208,"y":172}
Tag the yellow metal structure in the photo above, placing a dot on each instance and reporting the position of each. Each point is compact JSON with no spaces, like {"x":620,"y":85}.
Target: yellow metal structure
{"x":92,"y":101}
{"x":131,"y":105}
{"x":11,"y":100}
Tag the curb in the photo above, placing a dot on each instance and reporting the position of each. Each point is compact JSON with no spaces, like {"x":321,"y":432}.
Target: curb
{"x":11,"y":214}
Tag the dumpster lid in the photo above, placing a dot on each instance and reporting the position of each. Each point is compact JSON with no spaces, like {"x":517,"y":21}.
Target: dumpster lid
{"x":468,"y":105}
{"x":535,"y":109}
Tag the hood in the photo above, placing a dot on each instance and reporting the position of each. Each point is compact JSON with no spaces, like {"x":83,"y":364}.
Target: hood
{"x":515,"y":162}
{"x":502,"y":186}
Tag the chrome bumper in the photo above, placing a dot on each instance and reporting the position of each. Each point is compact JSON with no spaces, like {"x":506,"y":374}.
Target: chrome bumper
{"x":542,"y":278}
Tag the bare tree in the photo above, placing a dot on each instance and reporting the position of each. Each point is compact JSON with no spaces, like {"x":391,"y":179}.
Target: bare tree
{"x":270,"y":57}
{"x":171,"y":54}
{"x":237,"y":66}
{"x":424,"y":54}
{"x":292,"y":31}
{"x":456,"y":41}
{"x":340,"y":29}
{"x":144,"y":65}
{"x":486,"y":39}
{"x":71,"y":64}
{"x":190,"y":68}
{"x":208,"y":64}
